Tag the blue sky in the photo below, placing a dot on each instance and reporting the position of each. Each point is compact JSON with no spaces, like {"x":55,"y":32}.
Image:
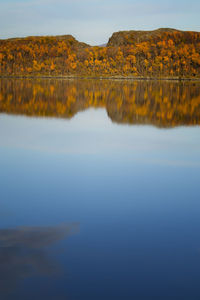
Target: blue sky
{"x":93,"y":21}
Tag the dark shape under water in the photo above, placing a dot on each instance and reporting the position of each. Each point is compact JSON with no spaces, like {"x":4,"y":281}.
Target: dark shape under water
{"x":23,"y":253}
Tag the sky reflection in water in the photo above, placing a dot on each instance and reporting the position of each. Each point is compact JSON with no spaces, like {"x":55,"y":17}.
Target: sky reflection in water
{"x":133,"y":190}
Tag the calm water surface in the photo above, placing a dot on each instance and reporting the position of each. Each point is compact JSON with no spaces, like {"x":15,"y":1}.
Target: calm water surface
{"x":99,"y":190}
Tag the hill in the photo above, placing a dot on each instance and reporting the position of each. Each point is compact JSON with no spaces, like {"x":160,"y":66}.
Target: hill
{"x":160,"y":53}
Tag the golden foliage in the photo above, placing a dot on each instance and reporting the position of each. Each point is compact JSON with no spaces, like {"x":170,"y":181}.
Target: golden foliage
{"x":163,"y":53}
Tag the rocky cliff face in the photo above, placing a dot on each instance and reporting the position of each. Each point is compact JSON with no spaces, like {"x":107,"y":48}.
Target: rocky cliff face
{"x":123,"y":38}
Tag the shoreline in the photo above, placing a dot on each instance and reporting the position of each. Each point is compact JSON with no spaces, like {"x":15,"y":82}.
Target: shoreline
{"x":129,"y":78}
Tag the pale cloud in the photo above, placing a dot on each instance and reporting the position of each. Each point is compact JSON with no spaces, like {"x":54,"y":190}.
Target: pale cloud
{"x":93,"y":21}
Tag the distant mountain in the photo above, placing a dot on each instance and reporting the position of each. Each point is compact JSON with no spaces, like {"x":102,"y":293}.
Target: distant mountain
{"x":161,"y":53}
{"x":103,"y":45}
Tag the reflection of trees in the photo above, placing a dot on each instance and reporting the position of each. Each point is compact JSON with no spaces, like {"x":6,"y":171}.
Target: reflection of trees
{"x":164,"y":104}
{"x":23,"y":254}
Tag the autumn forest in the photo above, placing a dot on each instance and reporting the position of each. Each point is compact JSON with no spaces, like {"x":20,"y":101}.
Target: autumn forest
{"x":162,"y":53}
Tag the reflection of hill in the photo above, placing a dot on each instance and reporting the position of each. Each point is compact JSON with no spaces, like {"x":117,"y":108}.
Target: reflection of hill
{"x":23,"y":253}
{"x":163,"y":104}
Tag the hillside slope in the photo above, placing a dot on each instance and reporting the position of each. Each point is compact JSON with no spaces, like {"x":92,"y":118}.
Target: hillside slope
{"x":160,"y":53}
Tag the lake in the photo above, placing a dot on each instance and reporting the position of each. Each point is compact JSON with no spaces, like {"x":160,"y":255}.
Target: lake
{"x":100,"y":185}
